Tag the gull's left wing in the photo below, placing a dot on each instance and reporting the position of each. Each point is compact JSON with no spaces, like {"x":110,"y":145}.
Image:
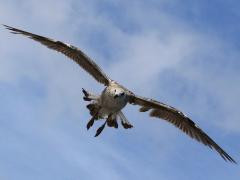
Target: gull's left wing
{"x":70,"y":51}
{"x":178,"y":119}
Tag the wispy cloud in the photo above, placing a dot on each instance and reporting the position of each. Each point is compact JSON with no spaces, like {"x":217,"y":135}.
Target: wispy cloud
{"x":137,"y":43}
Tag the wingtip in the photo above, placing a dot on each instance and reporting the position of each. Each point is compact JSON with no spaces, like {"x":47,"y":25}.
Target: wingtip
{"x":232,"y":161}
{"x":228,"y":158}
{"x":11,"y":29}
{"x":6,"y":26}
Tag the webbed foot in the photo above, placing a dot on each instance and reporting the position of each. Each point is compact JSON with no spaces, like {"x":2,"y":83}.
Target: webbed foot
{"x":95,"y":116}
{"x":100,"y":129}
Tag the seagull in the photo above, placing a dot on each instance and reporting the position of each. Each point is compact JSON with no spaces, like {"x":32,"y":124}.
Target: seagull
{"x":109,"y":104}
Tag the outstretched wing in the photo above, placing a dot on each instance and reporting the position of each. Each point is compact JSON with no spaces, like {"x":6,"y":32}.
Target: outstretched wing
{"x":177,"y":118}
{"x":70,"y":51}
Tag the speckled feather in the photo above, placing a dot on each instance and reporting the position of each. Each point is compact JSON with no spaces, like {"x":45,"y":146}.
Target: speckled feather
{"x":157,"y":109}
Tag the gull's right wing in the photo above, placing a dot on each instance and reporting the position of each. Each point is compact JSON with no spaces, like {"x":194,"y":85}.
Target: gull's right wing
{"x":70,"y":51}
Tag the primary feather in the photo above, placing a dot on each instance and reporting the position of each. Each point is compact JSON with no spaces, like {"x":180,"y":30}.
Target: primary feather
{"x":70,"y":51}
{"x":157,"y":109}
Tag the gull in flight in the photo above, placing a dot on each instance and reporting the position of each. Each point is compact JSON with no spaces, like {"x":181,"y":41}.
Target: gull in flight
{"x":108,"y":106}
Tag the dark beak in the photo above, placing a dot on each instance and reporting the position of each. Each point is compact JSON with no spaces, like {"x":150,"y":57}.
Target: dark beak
{"x":118,"y":95}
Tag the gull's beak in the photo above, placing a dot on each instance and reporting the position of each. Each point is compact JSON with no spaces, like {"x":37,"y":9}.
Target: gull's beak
{"x":118,"y":95}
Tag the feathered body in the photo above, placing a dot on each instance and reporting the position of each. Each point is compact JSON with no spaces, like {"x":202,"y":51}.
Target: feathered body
{"x":114,"y":97}
{"x":109,"y":105}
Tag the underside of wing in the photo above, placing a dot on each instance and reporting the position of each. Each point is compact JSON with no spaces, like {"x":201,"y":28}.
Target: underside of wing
{"x":178,"y":119}
{"x":70,"y":51}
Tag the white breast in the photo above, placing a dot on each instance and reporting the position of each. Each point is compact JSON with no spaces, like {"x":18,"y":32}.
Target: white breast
{"x":110,"y":104}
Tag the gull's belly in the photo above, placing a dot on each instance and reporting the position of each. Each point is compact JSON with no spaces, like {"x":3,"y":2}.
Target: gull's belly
{"x":109,"y":104}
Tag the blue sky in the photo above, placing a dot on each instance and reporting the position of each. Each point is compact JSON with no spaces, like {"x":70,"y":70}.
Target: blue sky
{"x":185,"y":54}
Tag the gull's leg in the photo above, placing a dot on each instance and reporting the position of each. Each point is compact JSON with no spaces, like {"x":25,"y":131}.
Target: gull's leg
{"x":111,"y":121}
{"x":125,"y":123}
{"x":100,"y":129}
{"x":89,"y":96}
{"x":91,"y":121}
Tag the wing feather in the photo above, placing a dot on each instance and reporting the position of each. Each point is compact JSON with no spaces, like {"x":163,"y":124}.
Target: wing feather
{"x":70,"y":51}
{"x":178,"y":119}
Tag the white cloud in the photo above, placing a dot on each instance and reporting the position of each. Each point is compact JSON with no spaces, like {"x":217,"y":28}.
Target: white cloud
{"x":136,"y":58}
{"x":215,"y":70}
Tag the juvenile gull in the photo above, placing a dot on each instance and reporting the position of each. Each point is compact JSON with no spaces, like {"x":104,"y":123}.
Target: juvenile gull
{"x":108,"y":105}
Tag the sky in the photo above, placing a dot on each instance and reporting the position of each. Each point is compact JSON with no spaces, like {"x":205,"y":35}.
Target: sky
{"x":183,"y":53}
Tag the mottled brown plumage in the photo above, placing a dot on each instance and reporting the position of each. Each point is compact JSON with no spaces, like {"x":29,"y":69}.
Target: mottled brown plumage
{"x":70,"y":51}
{"x":178,"y":119}
{"x":114,"y":97}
